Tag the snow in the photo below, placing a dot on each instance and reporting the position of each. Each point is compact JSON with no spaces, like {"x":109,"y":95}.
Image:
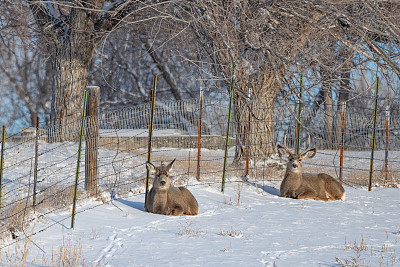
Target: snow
{"x":247,"y":225}
{"x":264,"y":229}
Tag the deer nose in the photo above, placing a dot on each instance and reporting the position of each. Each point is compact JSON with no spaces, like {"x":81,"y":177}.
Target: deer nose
{"x":162,"y":182}
{"x":294,"y":165}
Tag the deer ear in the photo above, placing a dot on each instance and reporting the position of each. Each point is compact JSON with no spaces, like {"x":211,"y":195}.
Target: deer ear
{"x":169,"y":166}
{"x":150,"y":167}
{"x":282,"y":151}
{"x":308,"y":154}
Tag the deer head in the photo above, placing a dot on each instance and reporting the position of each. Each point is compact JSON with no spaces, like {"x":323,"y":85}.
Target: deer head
{"x":295,"y":161}
{"x":161,"y":175}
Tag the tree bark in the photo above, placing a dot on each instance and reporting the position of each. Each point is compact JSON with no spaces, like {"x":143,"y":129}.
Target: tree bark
{"x":329,"y":108}
{"x":70,"y":70}
{"x":71,"y":40}
{"x":261,"y":134}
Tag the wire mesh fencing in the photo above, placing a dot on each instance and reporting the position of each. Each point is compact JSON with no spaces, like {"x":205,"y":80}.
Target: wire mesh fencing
{"x":38,"y":184}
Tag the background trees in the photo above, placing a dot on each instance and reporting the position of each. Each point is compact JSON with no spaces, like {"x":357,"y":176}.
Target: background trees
{"x":120,"y":45}
{"x":25,"y":75}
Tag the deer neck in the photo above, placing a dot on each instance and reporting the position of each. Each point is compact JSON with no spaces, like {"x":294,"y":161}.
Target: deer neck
{"x":294,"y":178}
{"x":160,"y":200}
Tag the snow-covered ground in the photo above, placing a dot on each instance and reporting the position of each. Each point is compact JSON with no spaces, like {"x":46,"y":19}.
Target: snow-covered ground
{"x":248,"y":225}
{"x":260,"y":228}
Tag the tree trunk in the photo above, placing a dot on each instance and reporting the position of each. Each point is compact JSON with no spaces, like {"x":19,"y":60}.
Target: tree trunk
{"x":70,"y":65}
{"x":261,"y":108}
{"x":329,"y":109}
{"x":70,"y":81}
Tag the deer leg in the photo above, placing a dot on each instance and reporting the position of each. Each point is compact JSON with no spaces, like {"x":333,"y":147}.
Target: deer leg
{"x":323,"y":198}
{"x":177,"y":211}
{"x":307,"y":195}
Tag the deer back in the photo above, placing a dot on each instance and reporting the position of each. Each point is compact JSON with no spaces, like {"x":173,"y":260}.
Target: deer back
{"x":325,"y":186}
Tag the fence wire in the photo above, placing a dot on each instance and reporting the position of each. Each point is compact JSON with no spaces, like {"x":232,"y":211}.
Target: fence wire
{"x":122,"y":141}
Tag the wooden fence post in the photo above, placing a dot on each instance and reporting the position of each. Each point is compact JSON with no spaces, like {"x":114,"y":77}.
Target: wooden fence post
{"x":92,"y":140}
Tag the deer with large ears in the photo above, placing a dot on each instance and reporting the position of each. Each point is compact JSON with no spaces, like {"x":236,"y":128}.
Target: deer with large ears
{"x":164,"y":198}
{"x":296,"y":184}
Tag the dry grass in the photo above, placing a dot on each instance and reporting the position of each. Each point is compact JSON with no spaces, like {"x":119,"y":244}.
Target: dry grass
{"x":19,"y":215}
{"x":386,"y":256}
{"x":187,"y":230}
{"x":235,"y":202}
{"x":232,"y":233}
{"x":68,"y":254}
{"x":19,"y":256}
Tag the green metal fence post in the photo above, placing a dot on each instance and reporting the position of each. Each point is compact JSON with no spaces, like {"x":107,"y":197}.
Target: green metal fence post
{"x":371,"y":164}
{"x":78,"y":162}
{"x":3,"y":135}
{"x":228,"y":126}
{"x":150,"y":141}
{"x":298,"y":124}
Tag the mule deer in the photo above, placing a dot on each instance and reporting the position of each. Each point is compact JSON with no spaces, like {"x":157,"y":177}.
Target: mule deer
{"x":297,"y":184}
{"x":166,"y":199}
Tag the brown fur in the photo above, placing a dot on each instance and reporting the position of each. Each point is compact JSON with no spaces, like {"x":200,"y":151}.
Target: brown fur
{"x":164,"y":198}
{"x":297,"y":184}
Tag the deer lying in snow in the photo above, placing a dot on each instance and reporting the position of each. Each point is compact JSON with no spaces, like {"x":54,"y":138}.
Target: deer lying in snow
{"x":296,"y":184}
{"x":164,"y":198}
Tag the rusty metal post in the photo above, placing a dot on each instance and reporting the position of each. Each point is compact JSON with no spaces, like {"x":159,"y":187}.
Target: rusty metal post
{"x":35,"y":169}
{"x":387,"y":143}
{"x":343,"y":130}
{"x":199,"y":135}
{"x":248,"y":138}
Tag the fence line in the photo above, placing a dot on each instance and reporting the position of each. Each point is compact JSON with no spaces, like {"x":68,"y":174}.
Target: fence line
{"x":122,"y":153}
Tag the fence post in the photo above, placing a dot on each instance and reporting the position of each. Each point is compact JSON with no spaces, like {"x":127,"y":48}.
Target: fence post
{"x":248,"y":138}
{"x":78,"y":162}
{"x":150,"y":141}
{"x":228,"y":126}
{"x":298,"y":124}
{"x":92,"y":139}
{"x":371,"y":165}
{"x":387,"y":143}
{"x":3,"y":136}
{"x":199,"y":135}
{"x":35,"y":169}
{"x":343,"y":130}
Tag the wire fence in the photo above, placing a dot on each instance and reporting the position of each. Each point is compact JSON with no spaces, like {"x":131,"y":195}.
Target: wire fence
{"x":35,"y":185}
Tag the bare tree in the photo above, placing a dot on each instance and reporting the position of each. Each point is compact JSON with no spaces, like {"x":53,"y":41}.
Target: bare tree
{"x":127,"y":59}
{"x":24,"y":70}
{"x":271,"y":40}
{"x":71,"y":31}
